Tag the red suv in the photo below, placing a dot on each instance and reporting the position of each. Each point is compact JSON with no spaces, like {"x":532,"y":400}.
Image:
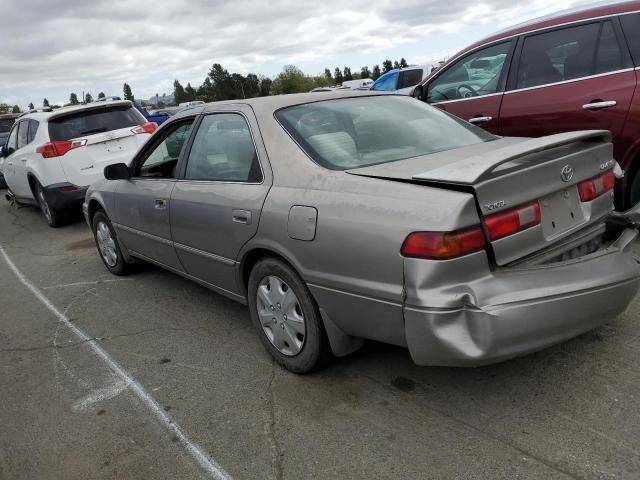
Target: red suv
{"x":577,"y":70}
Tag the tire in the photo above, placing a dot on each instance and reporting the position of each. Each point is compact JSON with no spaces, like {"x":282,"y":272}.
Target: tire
{"x":107,"y":245}
{"x":280,"y":328}
{"x":55,"y":218}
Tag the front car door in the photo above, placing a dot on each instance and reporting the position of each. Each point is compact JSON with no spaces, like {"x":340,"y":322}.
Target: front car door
{"x":142,"y":202}
{"x":217,"y":202}
{"x":571,"y":78}
{"x":472,"y":87}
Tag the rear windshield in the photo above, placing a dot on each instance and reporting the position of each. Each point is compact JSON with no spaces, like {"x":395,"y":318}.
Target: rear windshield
{"x":91,"y":122}
{"x":357,"y":132}
{"x":6,"y":124}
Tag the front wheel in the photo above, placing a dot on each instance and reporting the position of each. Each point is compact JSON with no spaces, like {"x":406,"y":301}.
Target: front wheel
{"x":107,"y":244}
{"x":54,"y":217}
{"x":286,"y":317}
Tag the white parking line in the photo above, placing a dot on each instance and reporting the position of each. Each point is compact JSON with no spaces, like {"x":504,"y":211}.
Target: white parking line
{"x":94,"y":282}
{"x":208,"y":464}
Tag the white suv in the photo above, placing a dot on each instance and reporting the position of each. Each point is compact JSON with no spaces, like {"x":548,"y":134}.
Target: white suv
{"x":50,"y":158}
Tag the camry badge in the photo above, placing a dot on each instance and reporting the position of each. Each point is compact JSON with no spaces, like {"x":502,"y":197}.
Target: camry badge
{"x":566,"y":174}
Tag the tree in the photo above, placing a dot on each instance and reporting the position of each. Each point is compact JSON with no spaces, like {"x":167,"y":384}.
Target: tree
{"x":251,"y":85}
{"x":101,"y":95}
{"x":265,"y":87}
{"x":396,"y":64}
{"x":365,"y":72}
{"x":292,"y":80}
{"x":327,"y":74}
{"x":347,"y":74}
{"x":88,"y":98}
{"x":338,"y":76}
{"x":386,"y":66}
{"x":189,"y":92}
{"x":179,"y":95}
{"x":4,"y":108}
{"x":403,"y":63}
{"x":45,"y":103}
{"x":205,"y":91}
{"x":73,"y":99}
{"x":15,"y":109}
{"x":128,"y":94}
{"x":31,"y":107}
{"x":375,"y":73}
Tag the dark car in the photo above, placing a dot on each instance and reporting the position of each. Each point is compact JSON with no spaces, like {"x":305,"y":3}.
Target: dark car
{"x":573,"y":71}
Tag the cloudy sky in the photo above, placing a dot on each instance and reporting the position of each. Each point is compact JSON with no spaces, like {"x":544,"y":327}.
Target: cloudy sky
{"x":51,"y":48}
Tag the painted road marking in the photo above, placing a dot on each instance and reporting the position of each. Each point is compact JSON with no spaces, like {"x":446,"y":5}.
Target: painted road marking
{"x":208,"y":464}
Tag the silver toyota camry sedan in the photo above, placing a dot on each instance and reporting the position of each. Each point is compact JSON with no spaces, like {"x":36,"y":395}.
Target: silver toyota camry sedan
{"x":369,"y":216}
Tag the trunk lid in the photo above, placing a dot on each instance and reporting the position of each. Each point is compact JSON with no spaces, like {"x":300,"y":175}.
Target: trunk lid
{"x":511,"y":172}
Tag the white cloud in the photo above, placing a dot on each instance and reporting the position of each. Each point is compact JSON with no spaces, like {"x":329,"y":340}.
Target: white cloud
{"x":68,"y":44}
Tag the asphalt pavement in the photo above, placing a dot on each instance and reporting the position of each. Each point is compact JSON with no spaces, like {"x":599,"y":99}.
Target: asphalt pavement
{"x":154,"y":377}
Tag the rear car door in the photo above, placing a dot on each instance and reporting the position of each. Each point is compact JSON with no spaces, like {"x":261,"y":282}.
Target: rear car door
{"x":142,"y":202}
{"x":472,"y":87}
{"x":571,"y":78}
{"x":217,"y":202}
{"x":10,"y":148}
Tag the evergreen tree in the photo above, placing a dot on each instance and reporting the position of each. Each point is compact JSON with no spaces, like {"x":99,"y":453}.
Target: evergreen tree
{"x":189,"y":92}
{"x":45,"y":103}
{"x":327,"y":73}
{"x":375,"y":73}
{"x":347,"y":74}
{"x":88,"y":98}
{"x":15,"y":109}
{"x":338,"y":76}
{"x":179,"y":94}
{"x":403,"y":63}
{"x":386,"y":66}
{"x":31,"y":107}
{"x":365,"y":72}
{"x":128,"y":94}
{"x":101,"y":95}
{"x":73,"y":99}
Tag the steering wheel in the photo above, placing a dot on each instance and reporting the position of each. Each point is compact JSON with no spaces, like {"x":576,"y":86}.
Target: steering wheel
{"x":466,"y":91}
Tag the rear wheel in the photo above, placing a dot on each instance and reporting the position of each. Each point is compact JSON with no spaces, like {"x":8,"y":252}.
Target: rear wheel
{"x":55,"y":218}
{"x":107,"y":244}
{"x":286,"y":317}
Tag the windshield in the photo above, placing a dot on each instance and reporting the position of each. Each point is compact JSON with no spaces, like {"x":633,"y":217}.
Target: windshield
{"x":357,"y":132}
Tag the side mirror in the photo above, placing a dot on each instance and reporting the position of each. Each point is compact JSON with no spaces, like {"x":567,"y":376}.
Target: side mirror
{"x":417,"y":92}
{"x":2,"y":155}
{"x":117,"y":171}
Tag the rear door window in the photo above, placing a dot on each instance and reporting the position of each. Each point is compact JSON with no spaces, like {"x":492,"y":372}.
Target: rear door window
{"x":23,"y":133}
{"x":33,"y":128}
{"x":569,"y":54}
{"x":631,"y":27}
{"x":91,"y":122}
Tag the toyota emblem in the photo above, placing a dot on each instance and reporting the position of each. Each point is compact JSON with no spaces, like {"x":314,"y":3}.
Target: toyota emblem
{"x":566,"y":173}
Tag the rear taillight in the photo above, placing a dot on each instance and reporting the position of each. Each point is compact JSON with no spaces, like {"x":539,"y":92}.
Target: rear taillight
{"x":58,"y":149}
{"x":443,"y":245}
{"x":597,"y":186}
{"x":514,"y":220}
{"x":148,"y":127}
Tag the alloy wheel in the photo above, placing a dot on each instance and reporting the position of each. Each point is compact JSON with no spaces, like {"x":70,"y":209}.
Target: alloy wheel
{"x":106,"y":244}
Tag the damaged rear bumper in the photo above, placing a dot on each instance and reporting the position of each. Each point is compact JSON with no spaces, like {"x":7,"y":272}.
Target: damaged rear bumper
{"x":479,"y":316}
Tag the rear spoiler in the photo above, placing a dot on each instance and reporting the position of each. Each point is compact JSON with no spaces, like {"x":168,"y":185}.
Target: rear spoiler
{"x":63,"y":112}
{"x":475,"y":169}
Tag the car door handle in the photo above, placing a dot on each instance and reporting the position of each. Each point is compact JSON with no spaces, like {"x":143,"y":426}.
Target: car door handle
{"x":480,"y":119}
{"x":23,"y":160}
{"x":9,"y":163}
{"x":241,"y":216}
{"x":599,"y":104}
{"x":160,"y":204}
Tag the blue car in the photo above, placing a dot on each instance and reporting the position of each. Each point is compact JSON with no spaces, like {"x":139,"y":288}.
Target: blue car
{"x":158,"y":118}
{"x":401,"y":80}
